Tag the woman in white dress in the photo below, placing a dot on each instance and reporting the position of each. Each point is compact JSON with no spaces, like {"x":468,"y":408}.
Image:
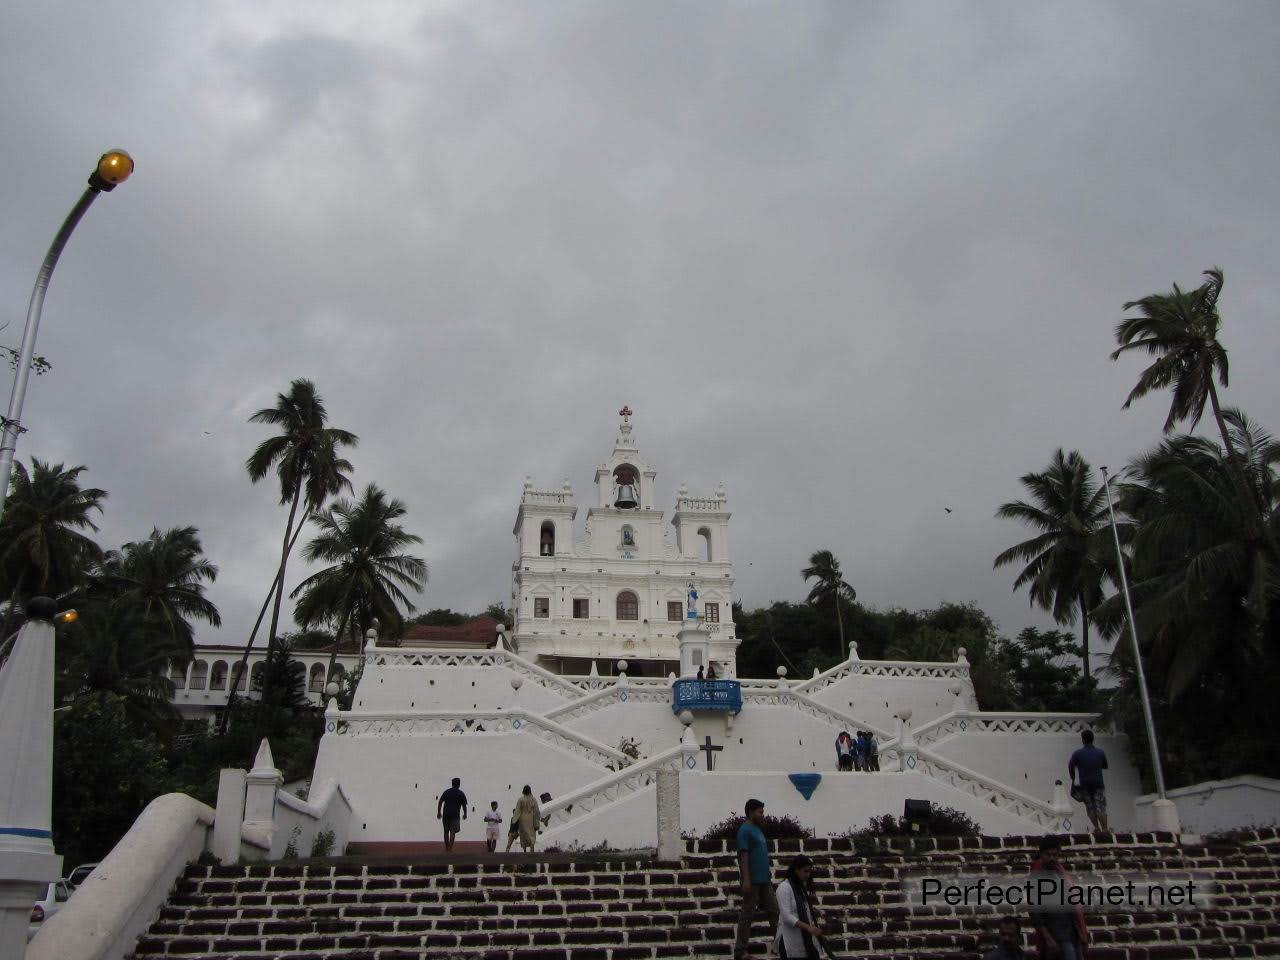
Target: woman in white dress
{"x":798,"y":930}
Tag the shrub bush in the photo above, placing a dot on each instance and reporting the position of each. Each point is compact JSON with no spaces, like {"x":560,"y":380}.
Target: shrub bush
{"x":945,"y":822}
{"x":774,"y":828}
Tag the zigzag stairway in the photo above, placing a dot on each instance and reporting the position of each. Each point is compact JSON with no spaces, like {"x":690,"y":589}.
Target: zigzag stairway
{"x":601,"y":907}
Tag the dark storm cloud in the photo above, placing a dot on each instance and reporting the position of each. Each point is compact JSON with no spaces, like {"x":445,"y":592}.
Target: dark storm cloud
{"x":859,"y":261}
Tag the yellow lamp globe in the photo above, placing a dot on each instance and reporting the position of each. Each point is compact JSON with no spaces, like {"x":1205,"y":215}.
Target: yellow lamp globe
{"x":115,"y":166}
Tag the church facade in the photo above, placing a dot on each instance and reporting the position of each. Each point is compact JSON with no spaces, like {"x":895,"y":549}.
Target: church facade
{"x":620,"y":590}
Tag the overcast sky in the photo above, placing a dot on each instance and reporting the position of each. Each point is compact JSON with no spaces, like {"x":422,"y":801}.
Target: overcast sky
{"x":861,"y":261}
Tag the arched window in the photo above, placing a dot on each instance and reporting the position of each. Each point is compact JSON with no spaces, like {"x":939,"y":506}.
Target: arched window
{"x":237,"y":676}
{"x":705,"y":534}
{"x":199,"y":674}
{"x":218,"y":678}
{"x":628,"y":606}
{"x":547,"y":539}
{"x":178,"y":675}
{"x":315,"y":683}
{"x":255,"y":676}
{"x":628,"y":536}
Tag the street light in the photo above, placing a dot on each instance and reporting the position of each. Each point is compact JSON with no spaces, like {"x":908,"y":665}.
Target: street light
{"x":113,"y":169}
{"x":1166,"y":814}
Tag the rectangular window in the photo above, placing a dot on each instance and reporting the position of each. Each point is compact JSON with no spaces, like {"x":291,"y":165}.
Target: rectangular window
{"x":713,"y":613}
{"x":542,"y":607}
{"x":581,"y":609}
{"x":675,"y":611}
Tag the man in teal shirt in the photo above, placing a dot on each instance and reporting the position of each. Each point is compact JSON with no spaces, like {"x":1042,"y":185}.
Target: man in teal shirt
{"x":757,"y":883}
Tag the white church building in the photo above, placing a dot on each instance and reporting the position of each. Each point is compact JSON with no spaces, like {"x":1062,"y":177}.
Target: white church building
{"x":595,"y":698}
{"x":619,"y":590}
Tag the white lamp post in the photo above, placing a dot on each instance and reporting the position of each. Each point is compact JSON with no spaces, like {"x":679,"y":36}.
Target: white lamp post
{"x":1165,"y":813}
{"x":114,"y":168}
{"x":27,"y":858}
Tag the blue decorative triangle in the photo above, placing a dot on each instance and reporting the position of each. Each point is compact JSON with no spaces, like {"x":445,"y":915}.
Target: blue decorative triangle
{"x":806,"y":783}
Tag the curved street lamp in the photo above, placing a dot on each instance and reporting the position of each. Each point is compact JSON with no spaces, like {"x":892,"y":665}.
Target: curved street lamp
{"x":113,"y":169}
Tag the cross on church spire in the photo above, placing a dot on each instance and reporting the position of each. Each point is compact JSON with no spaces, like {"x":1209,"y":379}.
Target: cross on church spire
{"x":625,"y":411}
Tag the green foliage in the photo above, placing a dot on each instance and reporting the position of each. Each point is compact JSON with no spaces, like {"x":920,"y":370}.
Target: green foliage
{"x":1067,"y":560}
{"x":164,"y":577}
{"x":322,"y":846}
{"x":44,"y":547}
{"x":774,"y":828}
{"x":830,"y":589}
{"x":368,"y":574}
{"x":106,"y":769}
{"x":440,"y":618}
{"x":499,"y":612}
{"x":39,"y":365}
{"x":888,"y":832}
{"x":1206,"y":592}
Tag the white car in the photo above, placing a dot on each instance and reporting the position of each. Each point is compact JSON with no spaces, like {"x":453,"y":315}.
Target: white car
{"x":80,"y":874}
{"x":55,"y":897}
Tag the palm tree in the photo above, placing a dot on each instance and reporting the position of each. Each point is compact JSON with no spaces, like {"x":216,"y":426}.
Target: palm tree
{"x":305,"y":456}
{"x":825,"y":568}
{"x":1180,"y":329}
{"x":362,"y":542}
{"x":164,"y":575}
{"x":115,"y":648}
{"x":1206,"y":592}
{"x":1066,"y":561}
{"x":44,"y":550}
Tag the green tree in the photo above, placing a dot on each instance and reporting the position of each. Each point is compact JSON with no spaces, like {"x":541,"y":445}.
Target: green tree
{"x":44,"y":549}
{"x":1206,"y":593}
{"x":306,"y":458}
{"x":115,"y":649}
{"x":108,"y":769}
{"x":830,"y":587}
{"x":498,"y":611}
{"x":165,"y":577}
{"x":1180,"y":329}
{"x":368,"y":574}
{"x":1066,"y":561}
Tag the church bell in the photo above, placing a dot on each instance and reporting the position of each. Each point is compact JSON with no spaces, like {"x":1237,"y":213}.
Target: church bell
{"x":626,"y":497}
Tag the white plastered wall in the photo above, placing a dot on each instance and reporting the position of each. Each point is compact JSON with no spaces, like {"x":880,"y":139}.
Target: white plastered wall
{"x":1032,"y":762}
{"x":394,"y":782}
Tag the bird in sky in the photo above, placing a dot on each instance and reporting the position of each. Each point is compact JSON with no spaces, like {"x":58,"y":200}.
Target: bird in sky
{"x":948,"y":509}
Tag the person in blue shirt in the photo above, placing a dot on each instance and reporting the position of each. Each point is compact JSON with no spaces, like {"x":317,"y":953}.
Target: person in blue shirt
{"x":1089,"y":762}
{"x":757,"y":886}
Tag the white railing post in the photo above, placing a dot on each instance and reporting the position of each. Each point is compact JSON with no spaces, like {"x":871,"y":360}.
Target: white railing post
{"x":908,"y":749}
{"x":263,"y":782}
{"x":670,"y":843}
{"x":228,"y":816}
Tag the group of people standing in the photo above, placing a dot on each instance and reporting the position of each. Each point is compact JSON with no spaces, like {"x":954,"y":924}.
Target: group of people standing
{"x":526,"y":818}
{"x":857,"y":753}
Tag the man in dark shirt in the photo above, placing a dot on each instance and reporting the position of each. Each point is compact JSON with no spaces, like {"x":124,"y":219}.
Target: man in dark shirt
{"x":452,"y":809}
{"x":1089,"y":761}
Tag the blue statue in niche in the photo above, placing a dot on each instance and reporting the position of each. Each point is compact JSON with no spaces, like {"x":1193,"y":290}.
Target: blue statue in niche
{"x":693,"y":602}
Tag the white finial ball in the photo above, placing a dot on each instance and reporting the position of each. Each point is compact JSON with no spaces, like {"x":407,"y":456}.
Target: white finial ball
{"x":961,"y":651}
{"x":904,"y":714}
{"x":686,"y":717}
{"x":517,"y":682}
{"x":622,"y":666}
{"x":671,"y":675}
{"x":782,"y":671}
{"x":331,"y":688}
{"x":371,"y":634}
{"x":375,"y":623}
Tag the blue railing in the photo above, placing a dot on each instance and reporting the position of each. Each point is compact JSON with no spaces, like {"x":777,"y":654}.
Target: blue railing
{"x":692,"y":694}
